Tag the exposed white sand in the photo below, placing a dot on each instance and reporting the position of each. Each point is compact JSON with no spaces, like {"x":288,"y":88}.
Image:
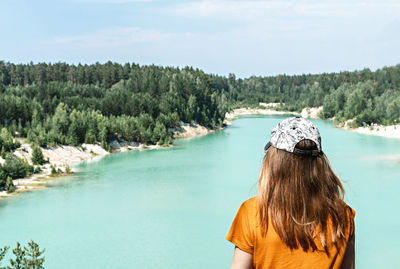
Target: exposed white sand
{"x":255,"y":111}
{"x":186,"y":130}
{"x":390,"y":131}
{"x":122,"y":146}
{"x":62,"y":156}
{"x":311,"y":112}
{"x":270,"y":105}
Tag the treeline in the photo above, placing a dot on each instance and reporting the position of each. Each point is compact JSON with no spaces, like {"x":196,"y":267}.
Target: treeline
{"x":72,"y":104}
{"x":365,"y":102}
{"x":366,"y":96}
{"x":60,"y":103}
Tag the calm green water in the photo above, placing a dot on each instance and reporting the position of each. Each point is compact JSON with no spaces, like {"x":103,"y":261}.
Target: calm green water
{"x":171,"y":208}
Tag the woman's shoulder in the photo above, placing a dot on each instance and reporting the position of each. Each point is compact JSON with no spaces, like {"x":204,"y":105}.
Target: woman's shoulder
{"x":250,"y":204}
{"x":350,"y":209}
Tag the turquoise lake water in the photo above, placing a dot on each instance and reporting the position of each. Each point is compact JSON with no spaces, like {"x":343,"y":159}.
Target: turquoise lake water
{"x":171,"y":208}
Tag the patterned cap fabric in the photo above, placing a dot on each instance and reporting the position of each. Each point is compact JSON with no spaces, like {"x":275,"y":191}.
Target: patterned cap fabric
{"x":291,"y":131}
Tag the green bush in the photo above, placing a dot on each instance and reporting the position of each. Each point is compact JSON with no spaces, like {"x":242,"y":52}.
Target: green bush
{"x":68,"y":169}
{"x":53,"y":170}
{"x":7,"y":143}
{"x":14,"y":167}
{"x":37,"y":156}
{"x":10,"y":187}
{"x":353,"y":124}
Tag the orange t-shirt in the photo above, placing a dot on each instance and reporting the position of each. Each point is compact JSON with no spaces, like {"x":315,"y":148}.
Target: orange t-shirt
{"x":270,"y":251}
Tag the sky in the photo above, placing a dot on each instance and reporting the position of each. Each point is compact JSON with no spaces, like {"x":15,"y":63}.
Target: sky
{"x":244,"y":37}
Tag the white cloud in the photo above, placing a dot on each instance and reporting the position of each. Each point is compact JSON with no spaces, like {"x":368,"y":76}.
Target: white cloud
{"x":255,"y":10}
{"x":114,"y":37}
{"x":294,"y":20}
{"x":285,"y":36}
{"x":251,"y":37}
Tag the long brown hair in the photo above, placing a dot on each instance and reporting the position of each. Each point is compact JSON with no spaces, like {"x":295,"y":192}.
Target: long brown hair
{"x":301,"y":195}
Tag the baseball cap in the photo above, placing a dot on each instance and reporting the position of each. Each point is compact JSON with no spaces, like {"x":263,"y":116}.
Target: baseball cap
{"x":291,"y":131}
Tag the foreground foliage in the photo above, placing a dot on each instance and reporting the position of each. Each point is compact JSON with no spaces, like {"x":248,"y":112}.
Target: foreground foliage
{"x":27,"y":257}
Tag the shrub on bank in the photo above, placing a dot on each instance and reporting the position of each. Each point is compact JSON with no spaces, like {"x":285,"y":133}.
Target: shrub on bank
{"x":53,"y":170}
{"x":10,"y":187}
{"x":7,"y":143}
{"x":37,"y":156}
{"x":14,"y":167}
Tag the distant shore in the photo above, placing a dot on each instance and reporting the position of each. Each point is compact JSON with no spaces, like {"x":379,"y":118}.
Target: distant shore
{"x":63,"y":157}
{"x":390,"y":131}
{"x":268,"y":110}
{"x":309,"y":112}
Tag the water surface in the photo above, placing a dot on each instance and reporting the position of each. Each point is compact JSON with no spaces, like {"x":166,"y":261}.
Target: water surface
{"x":171,"y":208}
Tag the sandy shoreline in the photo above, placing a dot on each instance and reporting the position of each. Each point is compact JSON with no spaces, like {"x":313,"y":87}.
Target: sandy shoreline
{"x":253,"y":111}
{"x":63,"y":156}
{"x":390,"y":131}
{"x":309,"y":112}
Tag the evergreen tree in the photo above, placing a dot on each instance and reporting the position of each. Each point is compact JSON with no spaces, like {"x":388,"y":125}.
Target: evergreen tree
{"x":34,"y":258}
{"x":68,"y":169}
{"x":10,"y":187}
{"x":37,"y":156}
{"x":19,"y":262}
{"x":53,"y":170}
{"x":7,"y":143}
{"x":3,"y":252}
{"x":3,"y":177}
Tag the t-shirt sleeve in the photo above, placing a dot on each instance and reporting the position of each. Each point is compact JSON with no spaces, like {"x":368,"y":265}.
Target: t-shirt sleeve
{"x":240,"y":233}
{"x":352,"y":226}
